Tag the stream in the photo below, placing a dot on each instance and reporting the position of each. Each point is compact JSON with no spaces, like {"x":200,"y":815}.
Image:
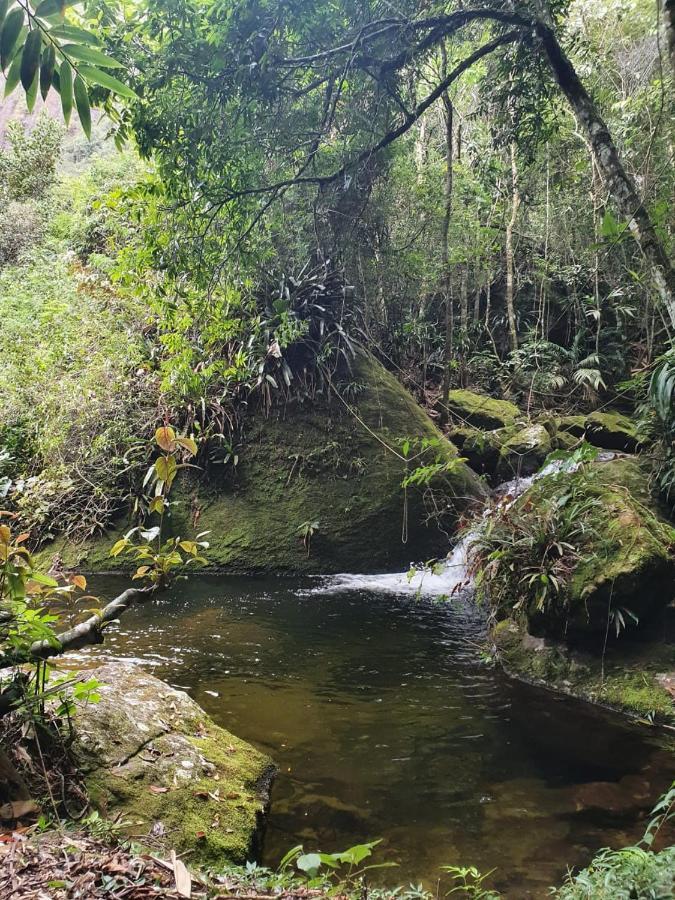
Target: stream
{"x":386,"y":723}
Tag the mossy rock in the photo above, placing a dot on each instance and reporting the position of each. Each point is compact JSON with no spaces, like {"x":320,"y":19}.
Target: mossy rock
{"x":574,"y":425}
{"x":479,"y":448}
{"x":611,"y":431}
{"x":152,"y":758}
{"x":630,"y":678}
{"x":523,"y":451}
{"x":564,"y":440}
{"x":480,"y":411}
{"x":326,"y":461}
{"x":607,"y":430}
{"x":624,"y":554}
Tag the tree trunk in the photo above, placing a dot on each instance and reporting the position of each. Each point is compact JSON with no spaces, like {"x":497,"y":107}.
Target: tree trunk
{"x":619,"y":183}
{"x":669,"y":25}
{"x":445,"y":254}
{"x":445,"y":257}
{"x":511,"y":224}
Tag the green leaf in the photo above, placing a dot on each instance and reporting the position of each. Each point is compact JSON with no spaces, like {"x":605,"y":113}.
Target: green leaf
{"x":188,"y":444}
{"x":31,"y":93}
{"x":47,"y":70}
{"x":14,"y":75}
{"x":609,"y":227}
{"x":165,"y":467}
{"x":66,"y":85}
{"x":72,"y":33}
{"x":107,"y":81}
{"x":309,"y":862}
{"x":90,"y":55}
{"x":53,"y":8}
{"x":4,"y":6}
{"x":82,"y":104}
{"x":47,"y":580}
{"x":10,"y":32}
{"x":30,"y":61}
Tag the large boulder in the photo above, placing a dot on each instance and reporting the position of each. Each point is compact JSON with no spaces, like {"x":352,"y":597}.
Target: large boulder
{"x":607,"y":430}
{"x":333,"y":466}
{"x":481,"y":411}
{"x":603,"y":538}
{"x":612,"y":431}
{"x":153,"y":759}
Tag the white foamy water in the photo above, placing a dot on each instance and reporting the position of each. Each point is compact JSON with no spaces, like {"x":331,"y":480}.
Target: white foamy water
{"x":450,"y":576}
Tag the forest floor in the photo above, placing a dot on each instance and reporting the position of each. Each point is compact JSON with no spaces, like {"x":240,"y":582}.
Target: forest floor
{"x":62,"y":864}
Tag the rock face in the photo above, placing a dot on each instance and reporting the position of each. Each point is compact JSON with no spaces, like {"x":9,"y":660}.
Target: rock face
{"x":481,"y":411}
{"x":335,"y":464}
{"x":152,"y":757}
{"x":504,"y":453}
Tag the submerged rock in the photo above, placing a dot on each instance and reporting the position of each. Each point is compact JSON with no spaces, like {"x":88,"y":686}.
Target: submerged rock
{"x":332,"y":465}
{"x":481,"y":411}
{"x":153,"y":758}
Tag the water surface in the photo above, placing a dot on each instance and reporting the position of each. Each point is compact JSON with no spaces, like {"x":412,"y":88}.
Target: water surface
{"x":386,"y":723}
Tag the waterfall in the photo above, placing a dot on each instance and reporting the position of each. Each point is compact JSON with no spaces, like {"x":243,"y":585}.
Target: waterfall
{"x":450,"y":576}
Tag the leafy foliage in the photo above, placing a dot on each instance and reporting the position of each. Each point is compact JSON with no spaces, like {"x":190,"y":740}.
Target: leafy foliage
{"x":48,"y":46}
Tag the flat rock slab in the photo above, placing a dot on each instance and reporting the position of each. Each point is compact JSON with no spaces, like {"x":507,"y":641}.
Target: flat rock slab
{"x":153,"y":759}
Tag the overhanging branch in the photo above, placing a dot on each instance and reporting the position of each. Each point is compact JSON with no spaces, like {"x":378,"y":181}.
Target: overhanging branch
{"x":88,"y":632}
{"x":389,"y":137}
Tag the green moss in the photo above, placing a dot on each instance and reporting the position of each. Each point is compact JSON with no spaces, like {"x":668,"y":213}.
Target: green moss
{"x":612,"y":431}
{"x":319,"y":462}
{"x":580,"y":553}
{"x":524,"y":451}
{"x":151,"y":755}
{"x":627,"y":679}
{"x":482,"y":411}
{"x":574,"y":425}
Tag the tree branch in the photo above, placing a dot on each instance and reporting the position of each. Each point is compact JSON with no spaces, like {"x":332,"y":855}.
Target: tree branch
{"x":389,"y":137}
{"x":87,"y":632}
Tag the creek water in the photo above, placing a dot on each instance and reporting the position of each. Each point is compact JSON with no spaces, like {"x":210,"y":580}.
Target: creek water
{"x":385,"y":722}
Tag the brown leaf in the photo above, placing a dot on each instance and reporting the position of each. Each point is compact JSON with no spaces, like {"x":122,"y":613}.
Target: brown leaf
{"x":158,"y":789}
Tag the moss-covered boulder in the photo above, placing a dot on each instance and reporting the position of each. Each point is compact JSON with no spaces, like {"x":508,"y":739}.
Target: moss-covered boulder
{"x":153,"y":759}
{"x":504,"y":452}
{"x":524,"y":450}
{"x":606,"y":550}
{"x":481,"y":411}
{"x":329,"y":471}
{"x":479,"y":448}
{"x":611,"y":431}
{"x":574,"y":425}
{"x":607,"y":430}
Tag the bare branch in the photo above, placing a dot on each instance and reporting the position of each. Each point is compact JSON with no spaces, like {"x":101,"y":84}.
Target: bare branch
{"x":87,"y":632}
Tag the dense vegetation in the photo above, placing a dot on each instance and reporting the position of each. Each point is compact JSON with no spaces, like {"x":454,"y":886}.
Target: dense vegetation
{"x":274,"y":202}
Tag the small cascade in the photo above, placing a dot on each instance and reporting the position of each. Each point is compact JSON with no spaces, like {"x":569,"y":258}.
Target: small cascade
{"x":451,"y":576}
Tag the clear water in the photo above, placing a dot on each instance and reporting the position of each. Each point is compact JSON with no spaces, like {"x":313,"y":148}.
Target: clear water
{"x":385,"y":723}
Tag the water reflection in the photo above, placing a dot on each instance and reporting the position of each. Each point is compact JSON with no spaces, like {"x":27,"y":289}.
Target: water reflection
{"x":385,"y":723}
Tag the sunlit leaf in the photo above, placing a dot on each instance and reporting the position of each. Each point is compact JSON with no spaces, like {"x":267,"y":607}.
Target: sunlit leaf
{"x":90,"y":55}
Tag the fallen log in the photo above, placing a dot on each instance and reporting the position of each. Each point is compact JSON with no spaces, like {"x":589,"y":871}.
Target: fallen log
{"x":86,"y":633}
